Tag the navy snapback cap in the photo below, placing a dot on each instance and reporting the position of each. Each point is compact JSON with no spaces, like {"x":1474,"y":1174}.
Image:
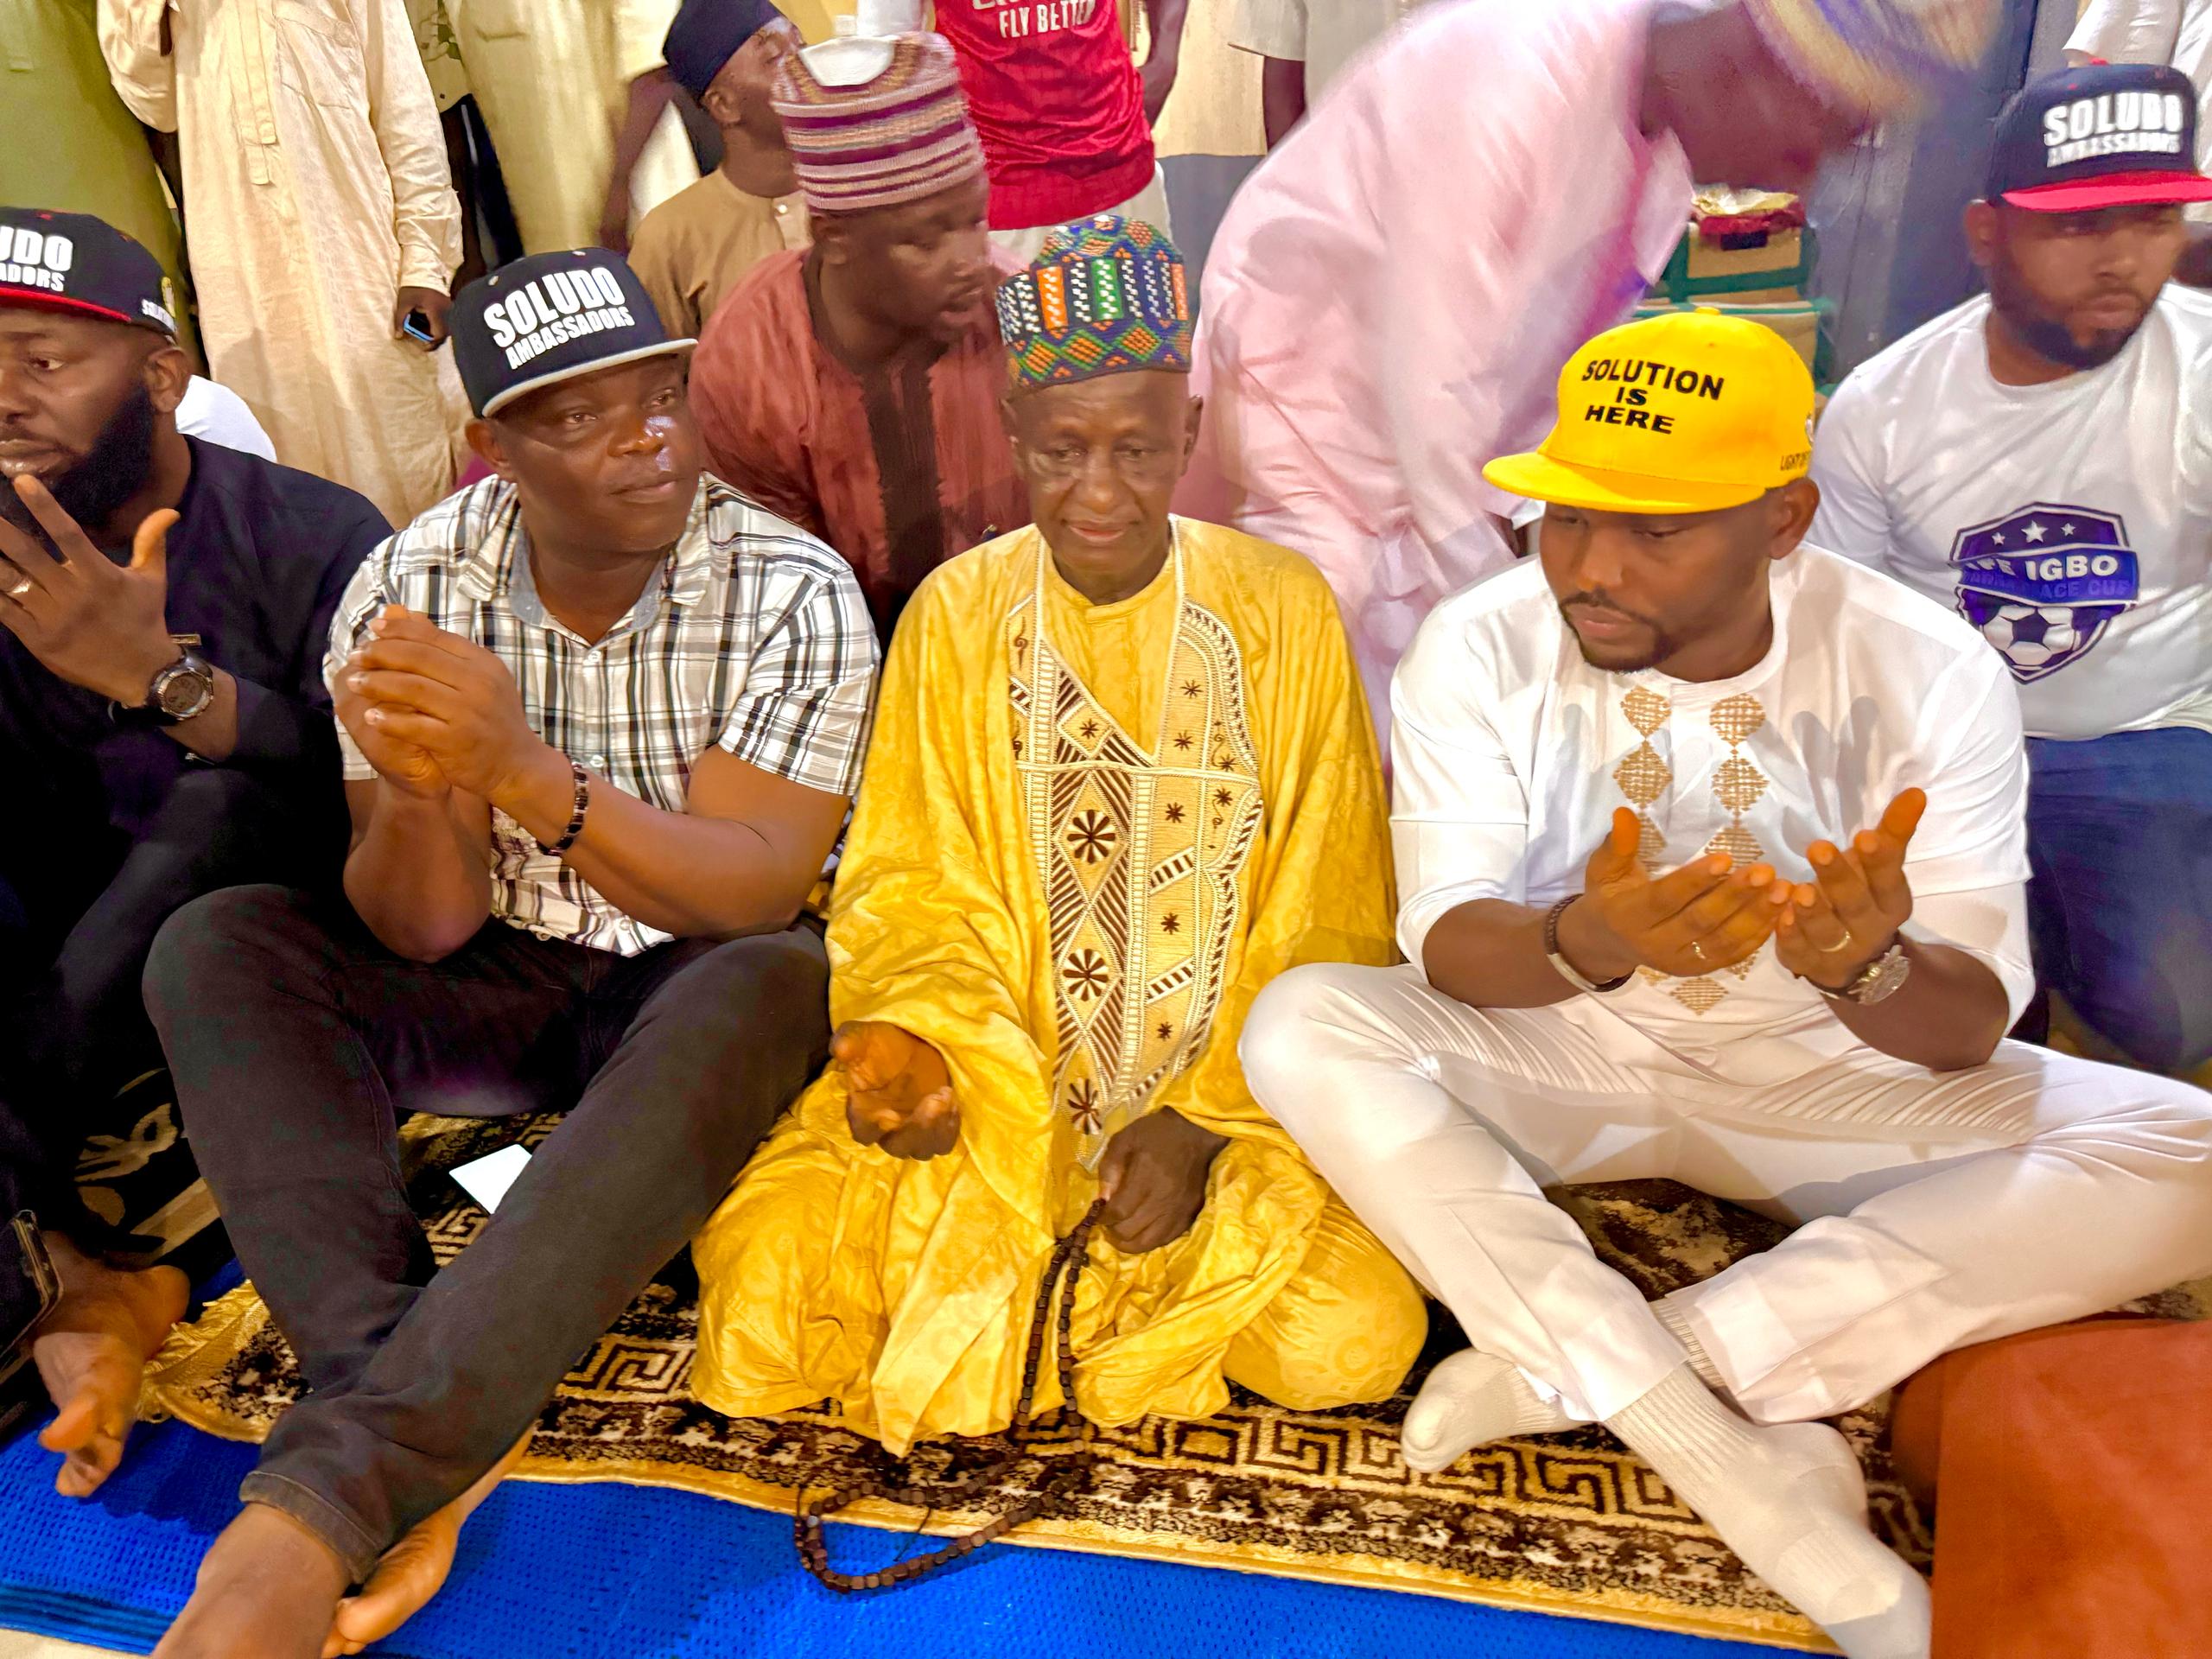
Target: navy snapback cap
{"x":549,"y":317}
{"x":2103,"y":135}
{"x":73,"y":262}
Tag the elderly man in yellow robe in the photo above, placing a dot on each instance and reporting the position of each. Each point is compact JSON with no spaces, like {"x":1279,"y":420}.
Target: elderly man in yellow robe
{"x":322,"y":221}
{"x":1121,"y":777}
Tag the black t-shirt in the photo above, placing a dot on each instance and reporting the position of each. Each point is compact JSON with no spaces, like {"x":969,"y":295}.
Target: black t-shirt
{"x":258,"y":562}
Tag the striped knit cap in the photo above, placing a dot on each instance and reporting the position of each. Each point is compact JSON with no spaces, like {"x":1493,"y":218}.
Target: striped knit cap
{"x":1879,"y":56}
{"x":896,"y":138}
{"x":1106,"y":295}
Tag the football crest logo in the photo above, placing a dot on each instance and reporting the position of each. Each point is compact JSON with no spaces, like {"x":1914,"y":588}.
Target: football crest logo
{"x":2041,"y":583}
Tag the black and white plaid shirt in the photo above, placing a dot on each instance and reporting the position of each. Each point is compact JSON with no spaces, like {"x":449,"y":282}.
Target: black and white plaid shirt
{"x":754,"y":637}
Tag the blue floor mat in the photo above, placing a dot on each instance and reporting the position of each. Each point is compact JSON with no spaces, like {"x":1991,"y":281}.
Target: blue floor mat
{"x":613,"y":1572}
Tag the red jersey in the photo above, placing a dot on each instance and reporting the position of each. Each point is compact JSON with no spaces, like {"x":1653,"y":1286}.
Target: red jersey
{"x":1057,"y":103}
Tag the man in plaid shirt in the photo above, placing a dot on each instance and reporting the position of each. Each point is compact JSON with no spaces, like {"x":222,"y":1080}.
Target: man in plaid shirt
{"x":602,"y":717}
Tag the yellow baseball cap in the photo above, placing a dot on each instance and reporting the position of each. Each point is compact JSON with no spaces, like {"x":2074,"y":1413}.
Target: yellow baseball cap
{"x":1688,"y":412}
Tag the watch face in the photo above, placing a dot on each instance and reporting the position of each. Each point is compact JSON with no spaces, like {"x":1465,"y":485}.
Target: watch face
{"x":184,"y":689}
{"x":1883,"y":978}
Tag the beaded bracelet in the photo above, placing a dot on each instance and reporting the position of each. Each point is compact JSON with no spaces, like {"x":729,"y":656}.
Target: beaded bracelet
{"x":575,"y":818}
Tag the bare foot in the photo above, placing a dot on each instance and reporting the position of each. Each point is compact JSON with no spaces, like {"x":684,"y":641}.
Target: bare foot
{"x":413,"y":1570}
{"x":266,"y":1590}
{"x":91,"y":1352}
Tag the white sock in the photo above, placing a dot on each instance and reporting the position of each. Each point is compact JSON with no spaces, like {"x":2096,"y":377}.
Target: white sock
{"x":1676,"y":1318}
{"x":1471,"y":1400}
{"x":1789,"y":1500}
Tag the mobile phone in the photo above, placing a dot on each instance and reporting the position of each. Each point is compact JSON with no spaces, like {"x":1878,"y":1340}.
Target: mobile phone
{"x":28,"y":1290}
{"x":416,"y":325}
{"x":29,"y":1287}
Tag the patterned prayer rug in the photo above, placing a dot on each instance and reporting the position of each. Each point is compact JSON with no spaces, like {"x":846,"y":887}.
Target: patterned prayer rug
{"x":1567,"y":1524}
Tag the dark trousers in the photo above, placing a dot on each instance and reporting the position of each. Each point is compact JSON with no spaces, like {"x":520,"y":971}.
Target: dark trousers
{"x":2119,"y":839}
{"x":79,"y":906}
{"x":295,"y":1040}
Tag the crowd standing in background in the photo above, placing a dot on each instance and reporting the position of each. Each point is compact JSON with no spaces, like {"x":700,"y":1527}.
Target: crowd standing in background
{"x":463,"y":698}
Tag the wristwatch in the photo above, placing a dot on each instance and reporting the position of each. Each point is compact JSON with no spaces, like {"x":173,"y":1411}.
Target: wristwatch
{"x":1566,"y":970}
{"x":1878,"y":981}
{"x":175,"y":694}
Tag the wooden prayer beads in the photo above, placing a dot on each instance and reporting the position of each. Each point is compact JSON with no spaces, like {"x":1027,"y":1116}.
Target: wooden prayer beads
{"x":1062,"y":1271}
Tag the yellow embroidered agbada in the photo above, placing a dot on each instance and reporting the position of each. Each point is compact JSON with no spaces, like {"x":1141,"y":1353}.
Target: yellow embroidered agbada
{"x":1080,"y":850}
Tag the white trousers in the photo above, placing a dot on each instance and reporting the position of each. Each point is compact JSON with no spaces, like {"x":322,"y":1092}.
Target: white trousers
{"x":1937,"y":1210}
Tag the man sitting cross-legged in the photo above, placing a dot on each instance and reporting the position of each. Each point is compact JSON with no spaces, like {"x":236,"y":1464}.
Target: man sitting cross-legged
{"x":1121,"y":777}
{"x":603,"y":715}
{"x":1712,"y":851}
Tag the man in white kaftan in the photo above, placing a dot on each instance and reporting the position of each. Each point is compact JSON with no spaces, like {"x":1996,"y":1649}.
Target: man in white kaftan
{"x":315,"y":191}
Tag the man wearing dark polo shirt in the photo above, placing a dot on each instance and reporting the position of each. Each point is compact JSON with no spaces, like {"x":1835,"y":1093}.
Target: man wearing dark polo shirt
{"x":164,"y":607}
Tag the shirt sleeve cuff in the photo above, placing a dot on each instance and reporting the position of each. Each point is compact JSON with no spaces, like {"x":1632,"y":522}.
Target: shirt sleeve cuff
{"x":1424,"y":911}
{"x":424,"y":268}
{"x":1990,"y":926}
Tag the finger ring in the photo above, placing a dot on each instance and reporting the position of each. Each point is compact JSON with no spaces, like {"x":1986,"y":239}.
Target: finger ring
{"x":1697,"y":950}
{"x":19,"y":588}
{"x":1836,"y":949}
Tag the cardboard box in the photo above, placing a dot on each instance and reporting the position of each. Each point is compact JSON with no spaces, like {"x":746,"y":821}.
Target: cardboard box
{"x":1783,"y":250}
{"x":1772,"y":272}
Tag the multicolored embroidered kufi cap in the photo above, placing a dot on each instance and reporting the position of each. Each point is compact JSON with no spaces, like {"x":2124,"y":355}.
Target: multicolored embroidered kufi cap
{"x":1878,"y":56}
{"x":1106,"y":295}
{"x":899,"y":135}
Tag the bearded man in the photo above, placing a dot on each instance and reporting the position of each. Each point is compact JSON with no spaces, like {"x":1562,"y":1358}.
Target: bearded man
{"x":2040,"y":460}
{"x":163,"y":603}
{"x":1711,"y":850}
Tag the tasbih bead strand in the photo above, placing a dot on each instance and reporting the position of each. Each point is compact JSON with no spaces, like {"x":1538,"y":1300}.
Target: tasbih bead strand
{"x":1062,"y":1270}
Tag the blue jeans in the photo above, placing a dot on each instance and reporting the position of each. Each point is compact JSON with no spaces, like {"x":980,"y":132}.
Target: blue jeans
{"x":2120,"y":838}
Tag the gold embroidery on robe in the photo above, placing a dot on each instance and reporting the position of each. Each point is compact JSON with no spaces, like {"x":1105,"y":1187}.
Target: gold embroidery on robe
{"x":1645,"y":776}
{"x":904,"y":1290}
{"x":1139,"y":855}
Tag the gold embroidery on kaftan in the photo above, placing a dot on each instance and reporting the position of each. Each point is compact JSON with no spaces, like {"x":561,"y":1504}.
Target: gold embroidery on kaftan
{"x":1645,"y":776}
{"x":1138,"y":853}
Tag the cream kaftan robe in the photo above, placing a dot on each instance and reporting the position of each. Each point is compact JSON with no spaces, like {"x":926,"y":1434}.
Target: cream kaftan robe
{"x":315,"y":189}
{"x":552,"y":78}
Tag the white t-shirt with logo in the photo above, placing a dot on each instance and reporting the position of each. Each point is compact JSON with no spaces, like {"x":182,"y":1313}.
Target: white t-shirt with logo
{"x":2070,"y":523}
{"x":1512,"y":754}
